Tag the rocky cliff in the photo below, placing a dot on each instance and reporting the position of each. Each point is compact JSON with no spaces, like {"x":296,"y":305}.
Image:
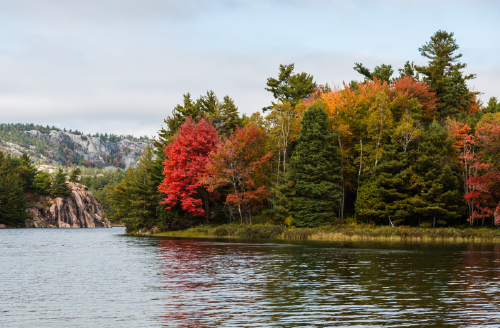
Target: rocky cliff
{"x":93,"y":149}
{"x":79,"y":210}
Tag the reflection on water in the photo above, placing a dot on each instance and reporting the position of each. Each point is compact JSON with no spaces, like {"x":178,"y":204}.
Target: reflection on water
{"x":217,"y":283}
{"x":101,"y":278}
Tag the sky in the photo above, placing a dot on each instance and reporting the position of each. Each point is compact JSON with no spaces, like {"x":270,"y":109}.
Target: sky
{"x":121,"y":66}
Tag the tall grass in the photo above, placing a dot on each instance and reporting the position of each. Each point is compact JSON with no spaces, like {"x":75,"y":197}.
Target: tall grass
{"x":340,"y":232}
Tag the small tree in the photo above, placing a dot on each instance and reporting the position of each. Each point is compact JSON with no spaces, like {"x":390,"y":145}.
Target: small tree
{"x":43,"y":183}
{"x":74,"y":176}
{"x":59,"y":186}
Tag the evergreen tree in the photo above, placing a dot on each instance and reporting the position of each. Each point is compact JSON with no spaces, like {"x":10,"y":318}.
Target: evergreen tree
{"x":230,"y":117}
{"x":42,"y":183}
{"x":444,"y":76}
{"x":367,"y":200}
{"x":492,"y":107}
{"x":59,"y":186}
{"x":73,"y":177}
{"x":382,"y":72}
{"x":392,"y":186}
{"x":28,"y":171}
{"x":290,"y":87}
{"x":209,"y":104}
{"x":408,"y":70}
{"x":136,"y":198}
{"x":12,"y":197}
{"x":439,"y":196}
{"x":315,"y":190}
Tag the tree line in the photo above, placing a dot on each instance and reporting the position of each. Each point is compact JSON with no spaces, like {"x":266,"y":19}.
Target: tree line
{"x":414,"y":148}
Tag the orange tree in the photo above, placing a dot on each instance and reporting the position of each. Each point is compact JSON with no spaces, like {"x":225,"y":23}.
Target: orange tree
{"x":241,"y":163}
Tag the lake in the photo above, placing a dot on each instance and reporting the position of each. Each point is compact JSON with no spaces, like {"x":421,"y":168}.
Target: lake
{"x":102,"y":278}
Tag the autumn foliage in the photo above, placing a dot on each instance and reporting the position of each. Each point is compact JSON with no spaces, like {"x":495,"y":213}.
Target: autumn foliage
{"x":240,"y":162}
{"x":417,"y":149}
{"x":482,"y":151}
{"x":186,"y":159}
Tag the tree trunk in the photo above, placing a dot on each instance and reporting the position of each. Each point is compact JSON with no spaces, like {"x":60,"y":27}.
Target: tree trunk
{"x":360,"y":166}
{"x":241,"y":216}
{"x":342,"y":199}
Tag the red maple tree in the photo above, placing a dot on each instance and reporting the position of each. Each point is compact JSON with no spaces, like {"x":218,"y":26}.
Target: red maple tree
{"x":240,"y":162}
{"x":186,"y":158}
{"x":484,"y":184}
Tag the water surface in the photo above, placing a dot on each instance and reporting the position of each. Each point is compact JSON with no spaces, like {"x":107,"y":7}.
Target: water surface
{"x":101,"y":278}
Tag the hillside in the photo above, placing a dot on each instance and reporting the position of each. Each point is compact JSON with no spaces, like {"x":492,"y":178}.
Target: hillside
{"x":55,"y":146}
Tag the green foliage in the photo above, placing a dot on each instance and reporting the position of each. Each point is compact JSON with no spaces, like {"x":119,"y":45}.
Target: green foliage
{"x":230,"y":118}
{"x":101,"y":185}
{"x":12,"y":193}
{"x":43,"y":183}
{"x":439,"y":189}
{"x":290,"y":87}
{"x":409,"y":70}
{"x":59,"y":186}
{"x":367,"y":200}
{"x":382,"y":72}
{"x":393,"y":181}
{"x":492,"y":107}
{"x":314,"y":192}
{"x":135,"y":199}
{"x":444,"y":76}
{"x":73,"y":177}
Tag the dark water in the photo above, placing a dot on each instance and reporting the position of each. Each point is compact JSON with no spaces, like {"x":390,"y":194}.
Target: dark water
{"x":101,"y":278}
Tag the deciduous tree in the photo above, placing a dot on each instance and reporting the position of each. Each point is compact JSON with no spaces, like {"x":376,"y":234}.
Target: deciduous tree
{"x":240,"y":162}
{"x":186,"y":158}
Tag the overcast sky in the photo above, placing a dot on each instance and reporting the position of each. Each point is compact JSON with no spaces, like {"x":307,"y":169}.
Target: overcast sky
{"x":121,"y":66}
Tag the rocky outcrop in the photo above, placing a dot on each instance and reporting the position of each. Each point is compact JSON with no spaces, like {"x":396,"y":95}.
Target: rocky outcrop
{"x":79,"y":210}
{"x":92,"y":148}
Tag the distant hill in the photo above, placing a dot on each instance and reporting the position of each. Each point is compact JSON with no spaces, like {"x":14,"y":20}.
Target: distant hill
{"x":51,"y":145}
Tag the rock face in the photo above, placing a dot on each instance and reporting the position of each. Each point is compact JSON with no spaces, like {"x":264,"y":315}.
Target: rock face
{"x":92,"y":148}
{"x":79,"y":210}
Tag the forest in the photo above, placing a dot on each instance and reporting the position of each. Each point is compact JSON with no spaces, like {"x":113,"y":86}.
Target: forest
{"x":413,"y":148}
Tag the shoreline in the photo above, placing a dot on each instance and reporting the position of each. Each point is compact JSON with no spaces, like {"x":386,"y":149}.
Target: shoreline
{"x":338,"y":233}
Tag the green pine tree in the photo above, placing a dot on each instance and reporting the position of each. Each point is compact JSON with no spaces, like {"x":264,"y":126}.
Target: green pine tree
{"x":367,"y":200}
{"x":59,"y":186}
{"x":136,"y":199}
{"x":290,"y":87}
{"x":439,"y":191}
{"x":492,"y":107}
{"x":382,"y":72}
{"x":444,"y":74}
{"x":73,"y":177}
{"x":12,"y":196}
{"x":392,"y":185}
{"x":315,"y":190}
{"x":43,"y":183}
{"x":229,"y":116}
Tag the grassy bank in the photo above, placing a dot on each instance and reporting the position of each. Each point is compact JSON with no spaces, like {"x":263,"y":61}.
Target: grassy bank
{"x":341,"y":232}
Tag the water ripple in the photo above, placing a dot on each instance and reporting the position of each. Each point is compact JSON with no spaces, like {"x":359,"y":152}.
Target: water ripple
{"x":101,"y":278}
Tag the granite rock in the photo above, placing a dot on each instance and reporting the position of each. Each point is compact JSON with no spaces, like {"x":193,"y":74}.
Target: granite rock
{"x":79,"y":210}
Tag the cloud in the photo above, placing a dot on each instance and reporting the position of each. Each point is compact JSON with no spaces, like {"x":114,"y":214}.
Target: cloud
{"x":121,"y":66}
